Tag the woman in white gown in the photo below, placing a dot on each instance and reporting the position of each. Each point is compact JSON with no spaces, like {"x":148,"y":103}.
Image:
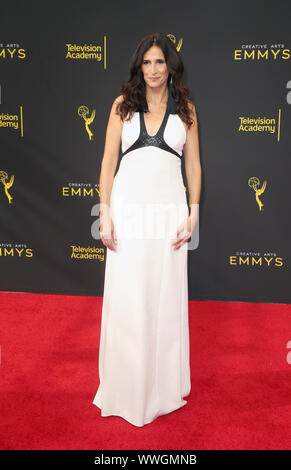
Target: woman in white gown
{"x":144,"y":365}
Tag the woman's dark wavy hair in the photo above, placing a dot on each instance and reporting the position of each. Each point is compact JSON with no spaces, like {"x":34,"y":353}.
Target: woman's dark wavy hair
{"x":133,"y":88}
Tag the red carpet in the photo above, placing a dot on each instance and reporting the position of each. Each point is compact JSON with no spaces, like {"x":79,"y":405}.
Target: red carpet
{"x":241,"y":380}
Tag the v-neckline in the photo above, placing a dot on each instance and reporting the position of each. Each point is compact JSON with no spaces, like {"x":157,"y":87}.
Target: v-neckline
{"x":165,"y":115}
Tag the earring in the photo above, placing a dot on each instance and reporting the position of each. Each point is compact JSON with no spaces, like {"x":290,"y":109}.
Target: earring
{"x":171,"y":81}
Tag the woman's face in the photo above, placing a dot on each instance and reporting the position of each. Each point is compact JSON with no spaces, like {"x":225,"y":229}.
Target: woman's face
{"x":154,"y":67}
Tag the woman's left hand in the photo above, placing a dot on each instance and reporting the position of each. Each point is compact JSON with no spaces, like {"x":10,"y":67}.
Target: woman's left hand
{"x":186,"y":228}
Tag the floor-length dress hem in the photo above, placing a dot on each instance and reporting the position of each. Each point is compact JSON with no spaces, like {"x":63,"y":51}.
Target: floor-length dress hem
{"x":126,"y":418}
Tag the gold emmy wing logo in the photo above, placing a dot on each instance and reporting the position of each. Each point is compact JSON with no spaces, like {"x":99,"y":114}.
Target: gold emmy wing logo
{"x":83,"y":112}
{"x":6,"y":184}
{"x":254,"y":183}
{"x":173,"y":39}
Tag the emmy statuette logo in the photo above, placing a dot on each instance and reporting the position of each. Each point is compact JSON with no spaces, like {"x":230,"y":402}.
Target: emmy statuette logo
{"x":173,"y":39}
{"x":7,"y":184}
{"x":83,"y":112}
{"x":254,"y":183}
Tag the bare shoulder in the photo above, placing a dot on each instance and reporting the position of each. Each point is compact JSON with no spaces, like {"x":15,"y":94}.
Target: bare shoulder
{"x":119,"y":99}
{"x":116,"y":102}
{"x":192,"y":109}
{"x":114,"y":115}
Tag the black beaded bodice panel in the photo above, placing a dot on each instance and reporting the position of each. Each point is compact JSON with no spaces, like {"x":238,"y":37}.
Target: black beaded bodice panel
{"x":157,"y":140}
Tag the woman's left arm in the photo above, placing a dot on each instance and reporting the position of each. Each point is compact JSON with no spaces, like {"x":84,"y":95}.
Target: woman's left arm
{"x":192,"y":164}
{"x":193,"y":174}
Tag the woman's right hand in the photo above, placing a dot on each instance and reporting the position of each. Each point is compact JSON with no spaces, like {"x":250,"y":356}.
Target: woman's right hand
{"x":107,"y":232}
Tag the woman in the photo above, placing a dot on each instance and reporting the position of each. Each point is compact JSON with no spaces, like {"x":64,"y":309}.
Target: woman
{"x":144,"y":364}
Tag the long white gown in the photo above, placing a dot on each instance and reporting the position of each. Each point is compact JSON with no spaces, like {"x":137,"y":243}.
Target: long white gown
{"x":144,"y":366}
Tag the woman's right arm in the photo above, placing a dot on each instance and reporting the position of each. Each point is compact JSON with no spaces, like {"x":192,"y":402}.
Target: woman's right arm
{"x":108,"y":168}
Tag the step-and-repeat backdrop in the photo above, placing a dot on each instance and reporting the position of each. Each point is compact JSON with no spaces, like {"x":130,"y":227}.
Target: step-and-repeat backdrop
{"x":61,"y":66}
